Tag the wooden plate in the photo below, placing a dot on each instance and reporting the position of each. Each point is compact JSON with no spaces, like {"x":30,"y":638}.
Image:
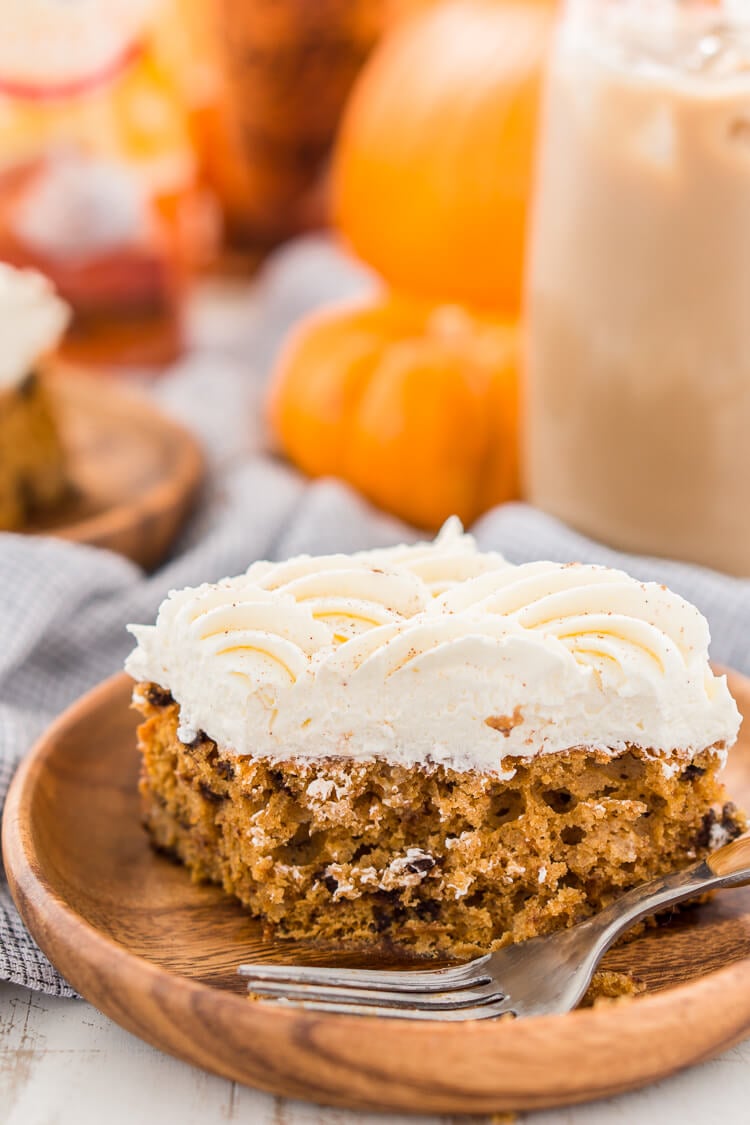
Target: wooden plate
{"x":158,"y":954}
{"x":134,"y":471}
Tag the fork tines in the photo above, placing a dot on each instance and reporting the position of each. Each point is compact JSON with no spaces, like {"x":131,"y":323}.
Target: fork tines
{"x":464,"y":992}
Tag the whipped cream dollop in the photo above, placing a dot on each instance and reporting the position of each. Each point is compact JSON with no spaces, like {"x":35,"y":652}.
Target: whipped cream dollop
{"x":437,"y":653}
{"x":32,"y":320}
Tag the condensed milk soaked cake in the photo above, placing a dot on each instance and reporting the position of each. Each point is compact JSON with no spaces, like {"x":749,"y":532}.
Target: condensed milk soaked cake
{"x":638,"y":424}
{"x":427,"y":749}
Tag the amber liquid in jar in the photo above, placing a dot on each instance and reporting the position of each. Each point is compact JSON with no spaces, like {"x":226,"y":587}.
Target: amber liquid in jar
{"x":638,"y":396}
{"x":98,"y":183}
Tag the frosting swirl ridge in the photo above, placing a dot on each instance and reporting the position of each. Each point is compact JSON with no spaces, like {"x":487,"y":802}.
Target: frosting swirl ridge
{"x":417,"y":653}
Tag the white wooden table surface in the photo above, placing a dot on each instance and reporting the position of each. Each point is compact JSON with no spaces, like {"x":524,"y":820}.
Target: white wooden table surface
{"x":63,"y":1063}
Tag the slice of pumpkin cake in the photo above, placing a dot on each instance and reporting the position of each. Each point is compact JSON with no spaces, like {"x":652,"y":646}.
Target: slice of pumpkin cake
{"x":428,"y":749}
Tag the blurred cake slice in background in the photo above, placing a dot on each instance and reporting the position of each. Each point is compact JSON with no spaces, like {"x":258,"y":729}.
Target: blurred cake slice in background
{"x":32,"y":460}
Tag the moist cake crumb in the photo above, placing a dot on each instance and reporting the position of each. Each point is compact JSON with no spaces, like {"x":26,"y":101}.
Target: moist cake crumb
{"x":608,"y":986}
{"x":460,"y":864}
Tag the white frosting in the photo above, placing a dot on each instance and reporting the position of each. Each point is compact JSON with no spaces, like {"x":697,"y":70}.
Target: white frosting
{"x":436,"y":653}
{"x":32,"y":320}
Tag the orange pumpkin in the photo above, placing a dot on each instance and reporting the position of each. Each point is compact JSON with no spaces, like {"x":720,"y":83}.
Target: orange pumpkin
{"x":433,"y":165}
{"x":413,"y":404}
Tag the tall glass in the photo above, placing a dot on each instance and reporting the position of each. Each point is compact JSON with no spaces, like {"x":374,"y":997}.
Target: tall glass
{"x":638,"y":397}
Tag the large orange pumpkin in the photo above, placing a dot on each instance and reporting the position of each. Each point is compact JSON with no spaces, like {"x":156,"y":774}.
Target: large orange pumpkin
{"x":413,"y":404}
{"x":433,"y":165}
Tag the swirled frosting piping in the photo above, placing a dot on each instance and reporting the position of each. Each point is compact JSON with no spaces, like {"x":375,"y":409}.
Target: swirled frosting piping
{"x":437,"y":653}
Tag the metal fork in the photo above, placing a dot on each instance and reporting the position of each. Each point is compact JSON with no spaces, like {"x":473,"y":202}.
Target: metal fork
{"x":543,"y":976}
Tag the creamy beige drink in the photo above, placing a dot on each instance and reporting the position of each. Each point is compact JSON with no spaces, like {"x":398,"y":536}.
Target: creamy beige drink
{"x":638,"y":407}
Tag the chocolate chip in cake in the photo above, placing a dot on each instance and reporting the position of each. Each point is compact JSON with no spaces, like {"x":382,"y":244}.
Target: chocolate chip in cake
{"x":691,"y":772}
{"x":225,"y":769}
{"x":388,"y":911}
{"x":381,"y":920}
{"x":427,"y":910}
{"x":419,"y":863}
{"x":330,"y":883}
{"x":210,"y":794}
{"x":708,"y":823}
{"x":730,"y":822}
{"x":715,"y":830}
{"x":158,"y":696}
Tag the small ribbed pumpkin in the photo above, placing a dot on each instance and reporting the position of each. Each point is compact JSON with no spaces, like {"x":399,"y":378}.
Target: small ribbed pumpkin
{"x":433,"y":165}
{"x":413,"y":404}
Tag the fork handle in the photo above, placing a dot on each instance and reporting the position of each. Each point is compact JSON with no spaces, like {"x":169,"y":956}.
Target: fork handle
{"x":729,"y":866}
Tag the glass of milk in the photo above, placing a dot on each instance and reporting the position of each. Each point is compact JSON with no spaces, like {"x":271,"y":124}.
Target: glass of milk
{"x":638,"y":302}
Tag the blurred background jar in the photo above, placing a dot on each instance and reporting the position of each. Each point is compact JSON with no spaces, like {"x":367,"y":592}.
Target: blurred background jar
{"x":638,"y":297}
{"x":282,"y":71}
{"x":99,"y":185}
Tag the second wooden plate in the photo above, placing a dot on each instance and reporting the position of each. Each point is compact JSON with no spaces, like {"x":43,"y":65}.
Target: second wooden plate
{"x":159,"y":954}
{"x":134,"y":471}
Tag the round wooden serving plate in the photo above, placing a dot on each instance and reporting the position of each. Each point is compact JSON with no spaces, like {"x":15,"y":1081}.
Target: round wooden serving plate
{"x":134,"y":472}
{"x":158,"y":954}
